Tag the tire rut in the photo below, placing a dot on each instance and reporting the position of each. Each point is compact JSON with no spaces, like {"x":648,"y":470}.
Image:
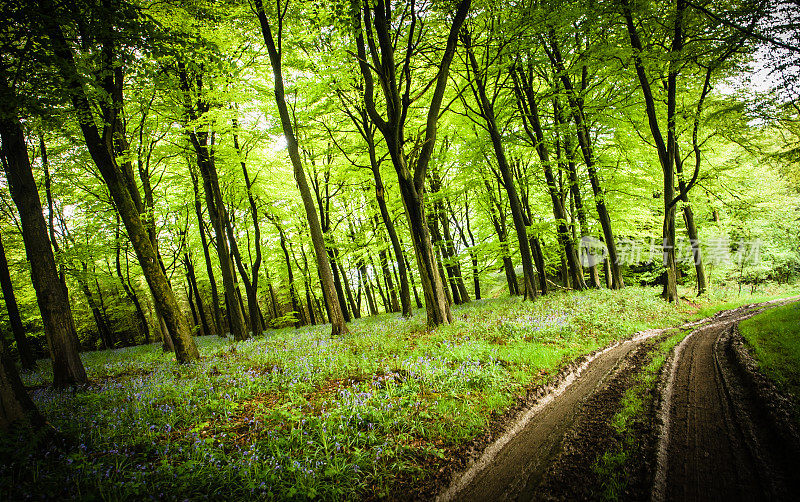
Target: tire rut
{"x":709,"y":438}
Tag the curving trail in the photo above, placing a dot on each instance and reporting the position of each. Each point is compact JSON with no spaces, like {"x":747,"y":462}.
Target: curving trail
{"x":716,"y":440}
{"x":513,"y":466}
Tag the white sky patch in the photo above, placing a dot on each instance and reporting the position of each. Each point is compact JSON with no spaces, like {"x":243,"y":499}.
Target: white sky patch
{"x":278,"y":143}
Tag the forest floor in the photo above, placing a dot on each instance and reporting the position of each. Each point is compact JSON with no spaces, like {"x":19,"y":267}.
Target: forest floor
{"x":392,"y":410}
{"x":669,"y":414}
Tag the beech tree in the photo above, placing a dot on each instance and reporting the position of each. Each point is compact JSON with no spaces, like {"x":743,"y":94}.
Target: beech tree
{"x":377,"y":58}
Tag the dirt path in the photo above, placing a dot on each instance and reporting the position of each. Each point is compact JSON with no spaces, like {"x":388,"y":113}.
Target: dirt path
{"x":513,"y":466}
{"x":716,"y":442}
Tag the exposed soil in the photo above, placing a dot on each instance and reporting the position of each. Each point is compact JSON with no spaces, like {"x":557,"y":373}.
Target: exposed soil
{"x":713,"y":429}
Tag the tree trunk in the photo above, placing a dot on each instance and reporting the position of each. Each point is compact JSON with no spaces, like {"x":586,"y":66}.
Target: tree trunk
{"x":691,"y":227}
{"x":198,"y":299}
{"x":23,"y":348}
{"x":216,"y":210}
{"x":584,"y":141}
{"x":127,"y":287}
{"x":348,"y":291}
{"x":122,"y":192}
{"x":452,"y":258}
{"x":575,"y":191}
{"x":538,"y":257}
{"x":530,"y":112}
{"x":51,"y":293}
{"x":336,"y":316}
{"x":198,"y":209}
{"x":403,"y":257}
{"x":251,"y":285}
{"x":397,"y":100}
{"x":102,"y":327}
{"x":16,"y":406}
{"x":487,"y":111}
{"x":436,"y":305}
{"x":665,"y":149}
{"x":292,"y":291}
{"x":447,"y":273}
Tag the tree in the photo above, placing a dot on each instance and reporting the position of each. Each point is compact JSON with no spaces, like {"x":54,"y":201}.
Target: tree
{"x":338,"y":326}
{"x":396,"y":89}
{"x":16,"y":406}
{"x":486,"y":110}
{"x":103,"y":149}
{"x":51,"y":292}
{"x":17,"y":329}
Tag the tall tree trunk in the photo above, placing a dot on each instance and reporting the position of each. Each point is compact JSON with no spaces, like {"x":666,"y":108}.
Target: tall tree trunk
{"x":498,"y":218}
{"x":448,"y":275}
{"x":348,"y":290}
{"x":312,"y":317}
{"x":538,"y":257}
{"x":387,"y":306}
{"x":366,"y":128}
{"x":251,"y":286}
{"x":51,"y":209}
{"x":487,"y":111}
{"x":130,"y":292}
{"x":123,"y":192}
{"x":17,"y":329}
{"x":403,"y":257}
{"x":529,"y":107}
{"x":187,"y":290}
{"x":195,"y":106}
{"x":691,"y":226}
{"x":584,"y":141}
{"x":198,"y":299}
{"x":51,"y":293}
{"x":338,"y":326}
{"x":397,"y":248}
{"x":292,"y":291}
{"x":411,"y":183}
{"x":252,"y":317}
{"x":575,"y":190}
{"x":665,"y":149}
{"x":470,"y":248}
{"x":102,"y":327}
{"x":16,"y":406}
{"x":452,"y":258}
{"x":273,"y":299}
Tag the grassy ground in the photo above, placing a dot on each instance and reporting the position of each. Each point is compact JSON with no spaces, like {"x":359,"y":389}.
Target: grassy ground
{"x":298,"y":415}
{"x":774,"y":340}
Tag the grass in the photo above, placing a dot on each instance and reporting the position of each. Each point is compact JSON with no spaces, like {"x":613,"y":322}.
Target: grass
{"x":773,"y":338}
{"x":300,"y":415}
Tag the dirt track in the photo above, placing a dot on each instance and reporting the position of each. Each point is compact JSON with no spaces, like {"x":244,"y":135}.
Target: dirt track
{"x":512,"y":467}
{"x":715,"y":440}
{"x":718,"y":441}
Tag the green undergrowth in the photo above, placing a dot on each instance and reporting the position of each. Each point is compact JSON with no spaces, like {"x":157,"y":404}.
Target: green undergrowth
{"x":773,"y":337}
{"x":611,"y":466}
{"x":296,"y":414}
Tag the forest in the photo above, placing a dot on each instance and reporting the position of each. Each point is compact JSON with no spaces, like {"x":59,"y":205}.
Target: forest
{"x":303,"y":249}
